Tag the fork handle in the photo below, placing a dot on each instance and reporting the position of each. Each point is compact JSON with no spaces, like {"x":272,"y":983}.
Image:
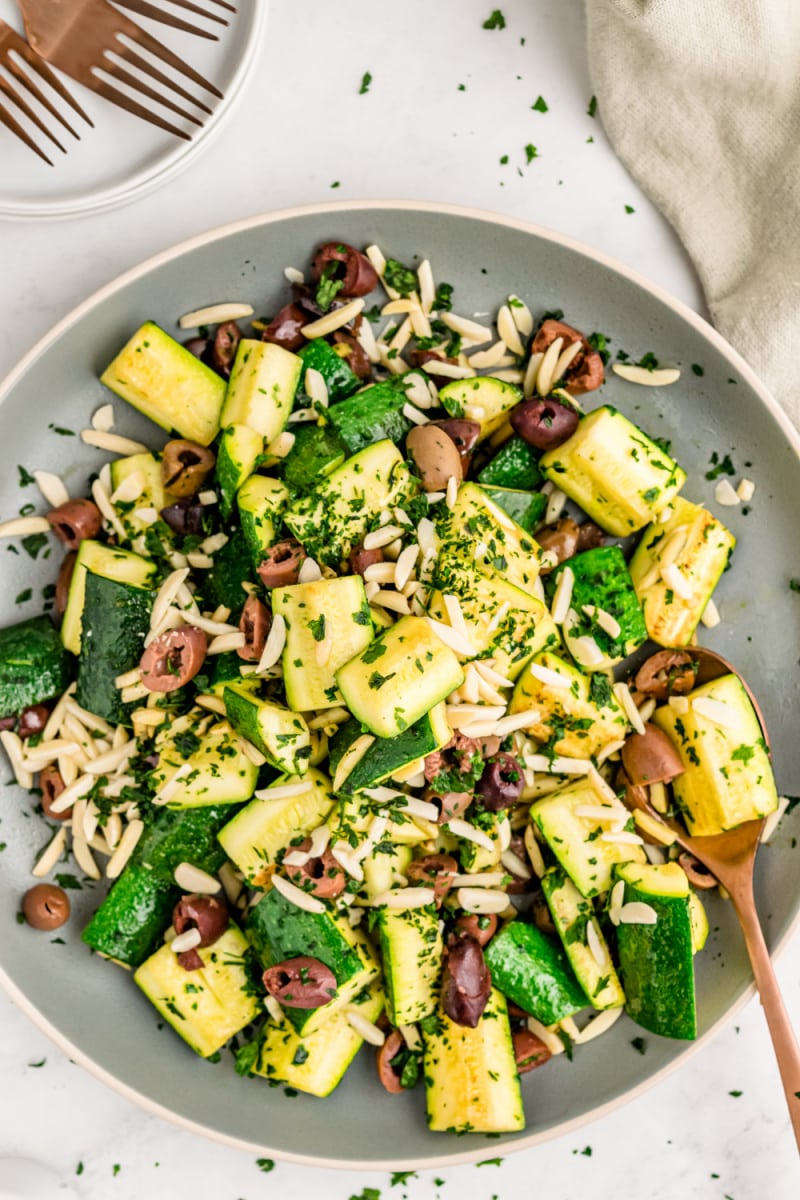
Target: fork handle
{"x":784,"y":1041}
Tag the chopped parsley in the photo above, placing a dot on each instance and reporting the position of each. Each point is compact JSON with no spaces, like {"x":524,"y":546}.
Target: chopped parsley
{"x":591,"y":111}
{"x":720,"y":466}
{"x":402,"y":279}
{"x":697,"y":369}
{"x":540,"y":105}
{"x":265,"y":1164}
{"x":366,"y":80}
{"x":25,"y":477}
{"x":530,"y":153}
{"x":629,"y":208}
{"x":317,"y":627}
{"x":495,"y":21}
{"x":328,"y":287}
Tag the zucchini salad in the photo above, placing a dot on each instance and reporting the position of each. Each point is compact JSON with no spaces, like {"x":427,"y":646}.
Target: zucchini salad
{"x":339,"y":695}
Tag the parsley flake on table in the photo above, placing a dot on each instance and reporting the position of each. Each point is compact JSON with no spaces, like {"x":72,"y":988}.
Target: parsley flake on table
{"x":540,"y":105}
{"x":530,"y":153}
{"x":697,"y":369}
{"x":25,"y":477}
{"x":720,"y":466}
{"x":736,"y":1093}
{"x":629,"y":208}
{"x":591,"y":111}
{"x":366,"y":80}
{"x":400,"y":1177}
{"x":794,"y":585}
{"x":265,"y":1164}
{"x":495,"y":21}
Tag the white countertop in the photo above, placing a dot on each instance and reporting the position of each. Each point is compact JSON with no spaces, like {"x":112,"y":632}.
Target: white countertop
{"x":300,"y":127}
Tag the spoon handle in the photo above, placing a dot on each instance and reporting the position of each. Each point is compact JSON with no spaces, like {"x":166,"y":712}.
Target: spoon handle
{"x":784,"y":1041}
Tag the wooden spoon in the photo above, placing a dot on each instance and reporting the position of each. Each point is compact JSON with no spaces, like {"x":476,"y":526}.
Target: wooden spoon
{"x":731,"y":858}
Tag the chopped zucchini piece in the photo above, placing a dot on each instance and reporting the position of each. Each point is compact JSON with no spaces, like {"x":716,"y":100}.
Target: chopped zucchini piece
{"x":261,"y":388}
{"x":516,"y":465}
{"x":471,"y":1081}
{"x":593,"y":965}
{"x":603,"y":586}
{"x":34,"y":665}
{"x":237,"y":457}
{"x":694,"y":547}
{"x":485,"y":400}
{"x":579,"y":842}
{"x":370,"y":415}
{"x":411,"y":948}
{"x":209,"y":1005}
{"x":281,"y":735}
{"x":354,"y":814}
{"x":699,"y":921}
{"x":279,"y":930}
{"x":109,"y":562}
{"x":340,"y":379}
{"x":168,"y":384}
{"x":387,"y":756}
{"x":343,"y":505}
{"x":327,"y":624}
{"x":385,"y":871}
{"x":205,"y":760}
{"x":224,"y":583}
{"x":581,"y":714}
{"x":399,"y":677}
{"x":115,"y":622}
{"x":220,"y":670}
{"x":315,"y":1063}
{"x":147,"y":469}
{"x":261,"y":502}
{"x":727,"y":777}
{"x":255,"y":837}
{"x":614,"y":472}
{"x":526,"y":508}
{"x":317,"y":450}
{"x":656,"y":959}
{"x":530,"y":968}
{"x":476,"y":524}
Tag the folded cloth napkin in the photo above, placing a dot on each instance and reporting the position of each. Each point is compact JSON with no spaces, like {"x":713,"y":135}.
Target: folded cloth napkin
{"x":701,"y":99}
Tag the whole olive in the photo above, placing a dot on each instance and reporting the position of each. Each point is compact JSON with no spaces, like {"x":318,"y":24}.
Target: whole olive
{"x":321,"y":876}
{"x":208,"y":914}
{"x":356,"y":272}
{"x":185,"y":517}
{"x":529,"y":1051}
{"x":32,"y":720}
{"x":560,"y":540}
{"x":466,"y":982}
{"x":45,"y":906}
{"x":254,"y":623}
{"x":482,"y":928}
{"x":544,"y":424}
{"x":302,"y":982}
{"x":74,"y":521}
{"x":172,"y":659}
{"x":651,"y":757}
{"x":386,"y":1073}
{"x":501,"y":783}
{"x":185,"y":467}
{"x":435,"y":870}
{"x":282,"y":563}
{"x":436,"y":456}
{"x":666,"y":673}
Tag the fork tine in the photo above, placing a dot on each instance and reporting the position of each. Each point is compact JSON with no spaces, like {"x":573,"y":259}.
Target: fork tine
{"x":40,"y":66}
{"x":22,"y":104}
{"x":121,"y":75}
{"x":10,"y":123}
{"x":138,"y":60}
{"x":27,"y":82}
{"x":155,"y":47}
{"x":201,"y":12}
{"x":145,"y":9}
{"x":108,"y":92}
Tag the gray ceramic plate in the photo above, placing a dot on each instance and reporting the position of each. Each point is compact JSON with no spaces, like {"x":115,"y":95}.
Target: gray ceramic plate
{"x":91,"y":1008}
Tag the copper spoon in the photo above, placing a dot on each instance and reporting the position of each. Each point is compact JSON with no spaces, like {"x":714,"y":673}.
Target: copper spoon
{"x":730,"y":857}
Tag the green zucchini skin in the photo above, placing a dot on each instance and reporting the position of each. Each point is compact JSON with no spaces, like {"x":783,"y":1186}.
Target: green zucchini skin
{"x":602,"y":578}
{"x":129,"y":923}
{"x":516,"y":465}
{"x":526,"y":508}
{"x":532,"y":969}
{"x":385,"y":755}
{"x":340,"y":379}
{"x":232,"y":568}
{"x":317,"y":450}
{"x":115,"y":622}
{"x":372,"y":415}
{"x":34,"y":666}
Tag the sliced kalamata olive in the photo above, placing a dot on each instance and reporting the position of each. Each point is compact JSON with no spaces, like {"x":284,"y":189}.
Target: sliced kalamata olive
{"x":500,"y":785}
{"x":635,"y":796}
{"x":172,"y":659}
{"x":196,"y":346}
{"x":529,"y":1051}
{"x":46,"y":906}
{"x":357,"y":273}
{"x":74,"y":521}
{"x":590,"y":536}
{"x":386,"y":1073}
{"x":559,"y":539}
{"x":7,"y":723}
{"x":254,"y":623}
{"x":481,"y":928}
{"x":521,"y":880}
{"x":464,"y":433}
{"x":190,"y":960}
{"x":208,"y":914}
{"x":434,"y":870}
{"x":466,"y":982}
{"x":286,"y":328}
{"x":32,"y":720}
{"x":667,"y":673}
{"x":356,"y":357}
{"x":185,"y":467}
{"x":418,"y":358}
{"x":698,"y":874}
{"x":321,"y":876}
{"x":185,"y":517}
{"x":281,"y":566}
{"x":360,"y":558}
{"x":222,"y":350}
{"x":52,"y":785}
{"x":544,"y":424}
{"x":64,"y":580}
{"x":585,"y":373}
{"x":302,"y":982}
{"x":650,"y":757}
{"x":451,"y":805}
{"x":436,"y":456}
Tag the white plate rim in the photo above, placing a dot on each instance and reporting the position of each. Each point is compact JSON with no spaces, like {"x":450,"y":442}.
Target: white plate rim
{"x":682,"y":310}
{"x":168,"y":165}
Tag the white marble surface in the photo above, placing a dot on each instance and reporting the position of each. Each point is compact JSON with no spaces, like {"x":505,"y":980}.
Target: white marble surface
{"x":302,"y":126}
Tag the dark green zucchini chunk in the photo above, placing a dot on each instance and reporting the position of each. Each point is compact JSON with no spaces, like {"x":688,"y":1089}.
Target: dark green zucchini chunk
{"x":516,"y":465}
{"x":340,"y":379}
{"x":34,"y":666}
{"x":116,"y":620}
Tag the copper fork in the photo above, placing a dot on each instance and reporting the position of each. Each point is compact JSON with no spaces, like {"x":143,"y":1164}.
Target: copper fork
{"x":12,"y":49}
{"x":157,"y":13}
{"x":95,"y":44}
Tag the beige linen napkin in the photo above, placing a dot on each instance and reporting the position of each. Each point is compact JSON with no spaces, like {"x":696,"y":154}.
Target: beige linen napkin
{"x":701,"y":99}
